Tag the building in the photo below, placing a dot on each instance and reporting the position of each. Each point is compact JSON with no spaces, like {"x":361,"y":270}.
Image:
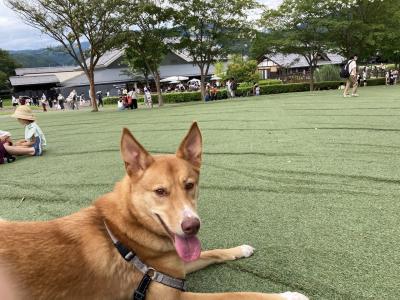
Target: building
{"x":111,"y":74}
{"x":280,"y":65}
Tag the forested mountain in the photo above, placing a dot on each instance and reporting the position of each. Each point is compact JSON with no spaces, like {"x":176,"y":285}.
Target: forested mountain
{"x":46,"y":57}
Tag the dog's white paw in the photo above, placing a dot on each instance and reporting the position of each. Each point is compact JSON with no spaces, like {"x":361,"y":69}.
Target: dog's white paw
{"x":247,"y":250}
{"x":293,"y":296}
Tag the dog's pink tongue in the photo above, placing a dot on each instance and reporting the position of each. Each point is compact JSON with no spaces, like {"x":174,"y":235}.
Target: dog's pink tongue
{"x":188,"y":248}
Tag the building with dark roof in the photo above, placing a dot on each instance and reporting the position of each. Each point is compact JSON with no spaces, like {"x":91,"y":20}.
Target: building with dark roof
{"x":111,"y":74}
{"x":277,"y":65}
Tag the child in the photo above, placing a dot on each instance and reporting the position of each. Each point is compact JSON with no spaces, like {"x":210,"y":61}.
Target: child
{"x":147,"y":98}
{"x":5,"y":139}
{"x":34,"y":138}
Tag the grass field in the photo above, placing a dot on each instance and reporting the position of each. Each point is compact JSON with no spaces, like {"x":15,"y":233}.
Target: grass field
{"x":311,"y":180}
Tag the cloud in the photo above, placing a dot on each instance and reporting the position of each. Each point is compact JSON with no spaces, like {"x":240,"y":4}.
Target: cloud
{"x":16,"y":35}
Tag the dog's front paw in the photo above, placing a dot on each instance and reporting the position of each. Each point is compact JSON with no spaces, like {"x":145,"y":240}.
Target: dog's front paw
{"x":247,"y":250}
{"x":293,"y":296}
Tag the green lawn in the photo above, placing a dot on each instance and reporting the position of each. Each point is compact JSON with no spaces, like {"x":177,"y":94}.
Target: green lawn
{"x":311,"y":180}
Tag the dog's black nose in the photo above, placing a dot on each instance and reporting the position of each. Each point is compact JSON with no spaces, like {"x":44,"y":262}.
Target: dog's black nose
{"x":190,"y":226}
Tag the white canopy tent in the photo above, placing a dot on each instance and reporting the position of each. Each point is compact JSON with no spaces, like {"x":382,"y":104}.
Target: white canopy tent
{"x":175,"y":78}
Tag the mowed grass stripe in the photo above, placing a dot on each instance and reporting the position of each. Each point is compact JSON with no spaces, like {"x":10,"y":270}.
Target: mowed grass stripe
{"x":310,"y":179}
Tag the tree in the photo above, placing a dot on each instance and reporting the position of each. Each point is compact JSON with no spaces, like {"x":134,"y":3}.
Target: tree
{"x":207,"y":27}
{"x":243,"y":70}
{"x":7,"y":69}
{"x":363,"y":27}
{"x":148,"y":42}
{"x":300,"y":27}
{"x":72,"y":22}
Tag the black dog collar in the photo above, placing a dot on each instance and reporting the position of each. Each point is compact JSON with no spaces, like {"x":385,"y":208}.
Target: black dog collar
{"x":149,"y":273}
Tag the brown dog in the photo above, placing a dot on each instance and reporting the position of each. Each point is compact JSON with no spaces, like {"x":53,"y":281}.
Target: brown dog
{"x":151,"y":211}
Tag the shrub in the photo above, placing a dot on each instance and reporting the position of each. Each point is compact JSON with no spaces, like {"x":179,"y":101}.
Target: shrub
{"x":376,"y":81}
{"x":181,"y":97}
{"x":328,"y":85}
{"x":327,"y":73}
{"x":242,"y":70}
{"x":246,"y":90}
{"x":269,"y":81}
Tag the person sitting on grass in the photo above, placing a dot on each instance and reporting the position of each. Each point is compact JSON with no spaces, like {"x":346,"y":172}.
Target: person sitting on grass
{"x":34,"y":138}
{"x":5,"y":138}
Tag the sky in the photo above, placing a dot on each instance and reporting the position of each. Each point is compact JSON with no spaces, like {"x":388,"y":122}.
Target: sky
{"x":16,"y":35}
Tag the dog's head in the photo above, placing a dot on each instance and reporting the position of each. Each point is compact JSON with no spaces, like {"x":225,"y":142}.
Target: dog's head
{"x":165,"y":189}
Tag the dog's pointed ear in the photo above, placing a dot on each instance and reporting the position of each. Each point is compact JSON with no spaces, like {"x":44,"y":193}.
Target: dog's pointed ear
{"x":136,"y":158}
{"x":191,"y":146}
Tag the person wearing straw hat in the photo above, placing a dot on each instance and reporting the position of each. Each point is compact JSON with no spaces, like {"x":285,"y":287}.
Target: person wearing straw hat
{"x":34,"y":138}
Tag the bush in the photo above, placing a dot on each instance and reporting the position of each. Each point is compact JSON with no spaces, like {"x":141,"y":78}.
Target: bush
{"x":284,"y":88}
{"x":376,"y":81}
{"x":328,"y":85}
{"x":327,"y":73}
{"x":181,"y":97}
{"x":246,"y":90}
{"x":269,"y":81}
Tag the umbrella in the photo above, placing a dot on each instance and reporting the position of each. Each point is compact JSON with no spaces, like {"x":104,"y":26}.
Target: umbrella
{"x":175,"y":81}
{"x":216,"y":77}
{"x":174,"y":78}
{"x":194,"y":80}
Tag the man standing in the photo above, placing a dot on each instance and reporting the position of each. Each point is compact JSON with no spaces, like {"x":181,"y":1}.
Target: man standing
{"x":100,"y":98}
{"x":352,"y":79}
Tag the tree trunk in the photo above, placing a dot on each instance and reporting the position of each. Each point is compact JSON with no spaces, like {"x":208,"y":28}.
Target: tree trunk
{"x":90,"y":76}
{"x":311,"y":78}
{"x":158,"y":87}
{"x":202,"y":84}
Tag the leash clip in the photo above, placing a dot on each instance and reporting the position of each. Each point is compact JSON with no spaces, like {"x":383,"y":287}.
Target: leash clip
{"x":151,"y":272}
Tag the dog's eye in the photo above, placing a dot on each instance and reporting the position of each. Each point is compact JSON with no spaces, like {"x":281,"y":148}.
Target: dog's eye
{"x":161,"y":192}
{"x":189,"y":186}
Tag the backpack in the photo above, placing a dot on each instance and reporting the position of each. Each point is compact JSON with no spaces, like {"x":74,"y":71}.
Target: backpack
{"x":344,"y":72}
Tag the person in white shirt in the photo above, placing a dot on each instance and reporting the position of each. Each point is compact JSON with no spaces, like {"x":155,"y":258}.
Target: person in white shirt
{"x":352,"y":80}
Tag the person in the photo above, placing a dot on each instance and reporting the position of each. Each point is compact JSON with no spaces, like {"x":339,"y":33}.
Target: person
{"x":352,"y":80}
{"x":207,"y":96}
{"x":100,"y":98}
{"x":120,"y":104}
{"x":44,"y":102}
{"x":14,"y":101}
{"x":214,"y":92}
{"x":391,"y":78}
{"x":256,"y":89}
{"x":5,"y":138}
{"x":35,"y":100}
{"x":21,"y":100}
{"x":1,"y":103}
{"x":72,"y":99}
{"x":148,"y":101}
{"x":132,"y":98}
{"x":108,"y":94}
{"x":364,"y":76}
{"x":229,"y":88}
{"x":61,"y":101}
{"x":233,"y":87}
{"x":34,"y":141}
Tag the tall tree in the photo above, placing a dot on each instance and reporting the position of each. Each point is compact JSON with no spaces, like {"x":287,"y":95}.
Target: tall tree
{"x":72,"y":22}
{"x":7,"y":68}
{"x":362,"y":27}
{"x":299,"y":27}
{"x":207,"y":28}
{"x":148,"y":42}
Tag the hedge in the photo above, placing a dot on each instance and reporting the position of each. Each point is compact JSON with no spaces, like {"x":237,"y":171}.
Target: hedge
{"x":167,"y":97}
{"x":248,"y":91}
{"x":269,"y":81}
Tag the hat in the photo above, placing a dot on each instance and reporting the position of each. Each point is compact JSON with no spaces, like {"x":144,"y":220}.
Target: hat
{"x":23,"y":112}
